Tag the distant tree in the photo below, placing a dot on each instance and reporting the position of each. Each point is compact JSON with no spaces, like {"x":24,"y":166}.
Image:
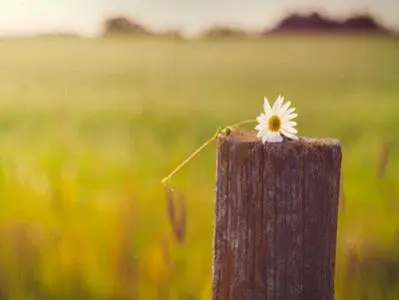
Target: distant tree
{"x":122,"y":25}
{"x":362,"y":22}
{"x":312,"y":22}
{"x":224,"y":31}
{"x":317,"y":22}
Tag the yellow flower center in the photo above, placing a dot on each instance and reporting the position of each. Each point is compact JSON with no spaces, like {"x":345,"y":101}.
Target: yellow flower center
{"x":274,"y":123}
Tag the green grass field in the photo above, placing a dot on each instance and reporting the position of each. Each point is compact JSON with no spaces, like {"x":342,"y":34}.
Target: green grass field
{"x":88,"y":128}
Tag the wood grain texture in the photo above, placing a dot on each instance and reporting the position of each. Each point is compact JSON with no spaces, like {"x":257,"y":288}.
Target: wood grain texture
{"x":275,"y":218}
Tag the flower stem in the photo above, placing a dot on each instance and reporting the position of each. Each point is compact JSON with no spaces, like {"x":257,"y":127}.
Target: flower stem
{"x":199,"y":149}
{"x":192,"y":155}
{"x":242,"y":123}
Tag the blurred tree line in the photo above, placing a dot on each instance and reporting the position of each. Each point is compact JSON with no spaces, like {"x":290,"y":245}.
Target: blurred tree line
{"x":121,"y":25}
{"x":292,"y":23}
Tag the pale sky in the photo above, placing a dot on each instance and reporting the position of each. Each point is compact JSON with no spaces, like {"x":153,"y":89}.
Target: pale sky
{"x":85,"y":16}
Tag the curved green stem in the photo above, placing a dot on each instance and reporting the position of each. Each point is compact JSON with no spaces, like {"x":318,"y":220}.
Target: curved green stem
{"x":166,"y":179}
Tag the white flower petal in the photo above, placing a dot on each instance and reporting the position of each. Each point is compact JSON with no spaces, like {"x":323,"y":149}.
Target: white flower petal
{"x":289,"y":117}
{"x":277,"y":104}
{"x":290,"y":129}
{"x":261,"y":121}
{"x":288,"y":112}
{"x":289,"y":135}
{"x":259,"y":127}
{"x":285,"y":107}
{"x":266,"y":106}
{"x":269,"y":114}
{"x":275,"y":138}
{"x":289,"y":124}
{"x":262,"y":135}
{"x":261,"y":117}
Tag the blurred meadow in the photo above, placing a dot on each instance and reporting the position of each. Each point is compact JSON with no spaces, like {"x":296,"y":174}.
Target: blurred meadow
{"x":88,"y":128}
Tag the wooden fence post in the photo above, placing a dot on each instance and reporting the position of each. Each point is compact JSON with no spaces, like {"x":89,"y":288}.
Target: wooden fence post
{"x":276,"y":218}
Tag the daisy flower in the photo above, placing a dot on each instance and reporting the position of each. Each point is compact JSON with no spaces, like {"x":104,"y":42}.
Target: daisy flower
{"x":276,"y":122}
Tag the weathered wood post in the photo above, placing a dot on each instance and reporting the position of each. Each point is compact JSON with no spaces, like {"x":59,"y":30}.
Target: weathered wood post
{"x":276,"y":218}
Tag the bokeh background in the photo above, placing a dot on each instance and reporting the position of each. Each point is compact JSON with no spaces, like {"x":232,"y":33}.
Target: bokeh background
{"x":99,"y":100}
